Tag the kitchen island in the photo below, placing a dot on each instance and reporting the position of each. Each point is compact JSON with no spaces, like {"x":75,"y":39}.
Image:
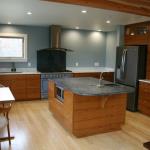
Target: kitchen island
{"x":84,"y":108}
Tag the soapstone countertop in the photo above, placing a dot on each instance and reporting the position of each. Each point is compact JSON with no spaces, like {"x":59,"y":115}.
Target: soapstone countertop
{"x":87,"y":86}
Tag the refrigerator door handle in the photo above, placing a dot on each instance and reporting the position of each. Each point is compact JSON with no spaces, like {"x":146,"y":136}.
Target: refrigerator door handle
{"x":124,"y":59}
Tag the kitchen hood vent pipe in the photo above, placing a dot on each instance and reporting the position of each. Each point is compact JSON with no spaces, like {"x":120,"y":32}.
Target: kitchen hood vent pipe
{"x":55,"y":34}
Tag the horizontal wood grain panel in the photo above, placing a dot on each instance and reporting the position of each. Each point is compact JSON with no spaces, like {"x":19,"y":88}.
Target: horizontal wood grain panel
{"x":144,"y":98}
{"x":81,"y":115}
{"x":136,"y":39}
{"x":102,"y":129}
{"x":23,"y":86}
{"x":129,"y":7}
{"x":109,"y":76}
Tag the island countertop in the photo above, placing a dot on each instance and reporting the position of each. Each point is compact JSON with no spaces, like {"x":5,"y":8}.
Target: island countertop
{"x":87,"y":86}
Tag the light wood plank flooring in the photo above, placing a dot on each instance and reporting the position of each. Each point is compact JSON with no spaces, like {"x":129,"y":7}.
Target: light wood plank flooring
{"x":35,"y":128}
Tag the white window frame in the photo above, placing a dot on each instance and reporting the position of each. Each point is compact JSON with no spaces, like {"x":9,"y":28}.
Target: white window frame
{"x":15,"y":59}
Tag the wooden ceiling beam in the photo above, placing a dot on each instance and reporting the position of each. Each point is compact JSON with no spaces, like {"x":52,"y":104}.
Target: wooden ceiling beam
{"x":144,"y":3}
{"x":108,"y":4}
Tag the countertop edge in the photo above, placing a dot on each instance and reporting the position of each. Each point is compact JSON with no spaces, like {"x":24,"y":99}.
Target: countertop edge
{"x":145,"y":80}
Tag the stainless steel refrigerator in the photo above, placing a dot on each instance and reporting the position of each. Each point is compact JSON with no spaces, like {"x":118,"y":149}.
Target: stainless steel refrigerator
{"x":130,"y":67}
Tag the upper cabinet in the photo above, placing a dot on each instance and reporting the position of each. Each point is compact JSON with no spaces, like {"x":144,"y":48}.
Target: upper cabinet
{"x":137,"y":33}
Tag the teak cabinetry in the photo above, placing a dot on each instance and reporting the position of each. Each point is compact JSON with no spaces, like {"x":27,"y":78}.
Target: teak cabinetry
{"x":139,"y":34}
{"x":23,"y":87}
{"x":144,"y":98}
{"x":109,"y":76}
{"x":86,"y":115}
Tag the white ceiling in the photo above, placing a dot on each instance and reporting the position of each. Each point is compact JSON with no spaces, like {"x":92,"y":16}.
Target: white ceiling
{"x":69,"y":16}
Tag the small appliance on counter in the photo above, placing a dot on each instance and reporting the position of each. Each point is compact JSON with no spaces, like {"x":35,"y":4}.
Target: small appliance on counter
{"x":130,"y":67}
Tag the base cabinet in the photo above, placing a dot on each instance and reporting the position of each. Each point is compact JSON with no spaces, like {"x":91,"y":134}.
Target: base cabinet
{"x":85,"y":115}
{"x":144,"y":98}
{"x":23,"y":87}
{"x":109,"y":76}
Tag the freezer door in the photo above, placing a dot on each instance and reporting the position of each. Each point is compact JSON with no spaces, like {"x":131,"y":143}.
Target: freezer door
{"x":127,"y":65}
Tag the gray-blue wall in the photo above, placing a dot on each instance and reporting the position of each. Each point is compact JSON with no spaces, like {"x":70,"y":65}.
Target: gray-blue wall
{"x":113,"y":39}
{"x":111,"y":44}
{"x":89,"y":47}
{"x":38,"y":38}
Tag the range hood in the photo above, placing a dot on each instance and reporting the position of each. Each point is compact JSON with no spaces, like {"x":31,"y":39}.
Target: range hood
{"x":55,"y":36}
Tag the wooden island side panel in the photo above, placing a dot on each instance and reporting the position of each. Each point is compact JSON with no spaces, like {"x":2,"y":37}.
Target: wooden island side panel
{"x":98,"y":114}
{"x":87,"y":115}
{"x":144,"y":98}
{"x":63,"y":112}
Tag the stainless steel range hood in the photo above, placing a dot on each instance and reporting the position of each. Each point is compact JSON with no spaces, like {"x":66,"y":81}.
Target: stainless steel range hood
{"x":55,"y":36}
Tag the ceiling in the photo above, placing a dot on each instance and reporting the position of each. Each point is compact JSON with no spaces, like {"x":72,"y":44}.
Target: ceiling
{"x":69,"y":16}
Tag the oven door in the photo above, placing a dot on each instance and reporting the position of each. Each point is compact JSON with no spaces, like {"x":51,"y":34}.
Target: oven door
{"x":60,"y":93}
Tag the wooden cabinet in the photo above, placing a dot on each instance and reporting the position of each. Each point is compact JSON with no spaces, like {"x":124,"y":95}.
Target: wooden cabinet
{"x":86,"y":115}
{"x":23,"y":87}
{"x":137,"y":34}
{"x":33,"y":86}
{"x":109,"y":76}
{"x":144,"y":98}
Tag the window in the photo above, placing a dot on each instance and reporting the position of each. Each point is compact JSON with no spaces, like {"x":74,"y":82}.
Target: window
{"x":13,"y":47}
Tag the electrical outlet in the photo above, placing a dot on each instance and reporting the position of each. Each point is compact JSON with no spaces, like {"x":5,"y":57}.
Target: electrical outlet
{"x":77,"y":64}
{"x":96,"y":64}
{"x":29,"y":64}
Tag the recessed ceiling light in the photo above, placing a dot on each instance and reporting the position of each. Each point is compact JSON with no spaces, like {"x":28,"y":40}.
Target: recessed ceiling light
{"x":132,"y":33}
{"x":76,"y":27}
{"x":29,"y":13}
{"x":108,"y":21}
{"x":99,"y":30}
{"x":9,"y":22}
{"x":84,"y":11}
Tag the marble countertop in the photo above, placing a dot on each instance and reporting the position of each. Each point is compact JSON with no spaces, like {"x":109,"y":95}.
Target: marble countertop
{"x":87,"y":86}
{"x":145,"y":80}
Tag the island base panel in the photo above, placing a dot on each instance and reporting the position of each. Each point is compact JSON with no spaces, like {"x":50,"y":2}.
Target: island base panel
{"x":88,"y":115}
{"x":98,"y":114}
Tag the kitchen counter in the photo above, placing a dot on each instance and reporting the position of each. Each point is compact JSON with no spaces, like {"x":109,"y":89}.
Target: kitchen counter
{"x":145,"y":80}
{"x":72,"y":69}
{"x":84,"y":109}
{"x":87,"y":86}
{"x":18,"y":73}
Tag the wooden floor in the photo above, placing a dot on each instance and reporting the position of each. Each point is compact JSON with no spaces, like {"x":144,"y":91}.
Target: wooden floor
{"x":35,"y":128}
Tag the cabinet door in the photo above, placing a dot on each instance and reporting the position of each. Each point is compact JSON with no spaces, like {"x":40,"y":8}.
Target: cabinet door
{"x":137,"y":34}
{"x":16,"y":83}
{"x":33,"y":86}
{"x":144,"y":101}
{"x":6,"y":80}
{"x":18,"y":86}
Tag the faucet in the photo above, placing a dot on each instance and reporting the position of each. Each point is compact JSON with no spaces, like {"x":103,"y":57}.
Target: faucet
{"x":13,"y":69}
{"x":100,"y":80}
